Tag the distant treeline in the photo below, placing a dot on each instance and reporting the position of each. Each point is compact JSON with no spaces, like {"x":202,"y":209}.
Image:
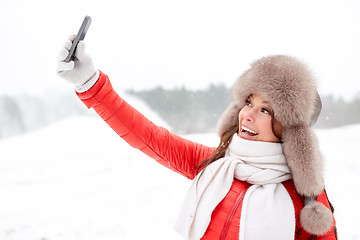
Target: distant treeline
{"x":186,"y":111}
{"x":189,"y":111}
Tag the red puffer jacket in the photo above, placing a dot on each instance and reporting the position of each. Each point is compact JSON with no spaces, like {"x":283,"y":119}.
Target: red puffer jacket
{"x":182,"y":156}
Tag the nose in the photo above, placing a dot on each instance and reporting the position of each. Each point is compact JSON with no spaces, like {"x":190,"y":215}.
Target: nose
{"x":249,"y":115}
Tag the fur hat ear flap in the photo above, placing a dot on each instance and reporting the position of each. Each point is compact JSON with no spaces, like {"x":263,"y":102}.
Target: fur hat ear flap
{"x":229,"y":118}
{"x":303,"y":156}
{"x":304,"y":159}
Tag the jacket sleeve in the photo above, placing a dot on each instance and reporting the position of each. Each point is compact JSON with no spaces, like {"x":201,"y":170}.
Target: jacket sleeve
{"x":170,"y":150}
{"x":332,"y":233}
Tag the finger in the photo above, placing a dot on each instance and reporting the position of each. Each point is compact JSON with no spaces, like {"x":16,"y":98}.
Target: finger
{"x":80,"y":51}
{"x":63,"y":54}
{"x":68,"y":44}
{"x":72,"y":37}
{"x":65,"y":66}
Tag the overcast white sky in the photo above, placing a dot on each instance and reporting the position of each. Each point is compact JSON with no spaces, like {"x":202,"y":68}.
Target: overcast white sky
{"x":141,"y":44}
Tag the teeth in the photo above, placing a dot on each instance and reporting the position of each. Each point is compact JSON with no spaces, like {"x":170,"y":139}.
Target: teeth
{"x":248,"y":130}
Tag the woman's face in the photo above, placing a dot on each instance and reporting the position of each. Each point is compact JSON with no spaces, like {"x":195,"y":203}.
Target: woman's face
{"x":255,"y":120}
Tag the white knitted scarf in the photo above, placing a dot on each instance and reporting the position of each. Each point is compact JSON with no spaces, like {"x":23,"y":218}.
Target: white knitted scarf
{"x":267,"y":209}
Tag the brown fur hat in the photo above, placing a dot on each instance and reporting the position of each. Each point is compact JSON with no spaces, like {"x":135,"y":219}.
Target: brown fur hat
{"x":290,"y":88}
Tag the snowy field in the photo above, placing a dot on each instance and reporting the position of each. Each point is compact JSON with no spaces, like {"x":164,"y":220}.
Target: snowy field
{"x":77,"y":179}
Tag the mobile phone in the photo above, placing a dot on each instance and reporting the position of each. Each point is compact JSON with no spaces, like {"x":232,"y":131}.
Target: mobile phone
{"x":79,"y":37}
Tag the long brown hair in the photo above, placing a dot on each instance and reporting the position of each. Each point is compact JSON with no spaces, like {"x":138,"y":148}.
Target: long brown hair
{"x":225,"y":140}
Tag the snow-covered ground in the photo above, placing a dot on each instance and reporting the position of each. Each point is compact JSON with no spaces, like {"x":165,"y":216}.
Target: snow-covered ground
{"x":77,"y":179}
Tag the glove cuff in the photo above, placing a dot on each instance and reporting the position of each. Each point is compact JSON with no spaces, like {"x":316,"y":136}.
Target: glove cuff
{"x":89,"y":83}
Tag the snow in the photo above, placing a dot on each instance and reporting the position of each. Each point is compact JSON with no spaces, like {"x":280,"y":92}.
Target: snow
{"x":77,"y":179}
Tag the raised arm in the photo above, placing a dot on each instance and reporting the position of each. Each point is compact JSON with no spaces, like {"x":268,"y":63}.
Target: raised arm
{"x":95,"y":90}
{"x":170,"y":150}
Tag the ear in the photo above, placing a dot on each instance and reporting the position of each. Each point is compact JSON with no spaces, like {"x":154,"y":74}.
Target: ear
{"x":277,"y":128}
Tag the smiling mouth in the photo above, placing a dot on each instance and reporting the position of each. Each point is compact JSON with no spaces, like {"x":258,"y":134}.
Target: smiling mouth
{"x":247,"y":131}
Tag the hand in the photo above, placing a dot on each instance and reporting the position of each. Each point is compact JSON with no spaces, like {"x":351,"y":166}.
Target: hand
{"x":81,"y":72}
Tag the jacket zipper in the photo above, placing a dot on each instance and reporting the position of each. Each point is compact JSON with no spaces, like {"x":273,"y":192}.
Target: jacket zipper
{"x":231,"y":214}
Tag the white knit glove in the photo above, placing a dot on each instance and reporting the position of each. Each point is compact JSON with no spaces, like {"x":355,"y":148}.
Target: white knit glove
{"x":81,"y":72}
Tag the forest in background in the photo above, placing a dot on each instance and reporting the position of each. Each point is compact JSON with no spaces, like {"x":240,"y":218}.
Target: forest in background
{"x":186,"y":111}
{"x":198,"y":111}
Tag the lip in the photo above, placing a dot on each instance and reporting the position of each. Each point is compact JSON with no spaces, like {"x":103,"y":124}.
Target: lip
{"x":246,"y":136}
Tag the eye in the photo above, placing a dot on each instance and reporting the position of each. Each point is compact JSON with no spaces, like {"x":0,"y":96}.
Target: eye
{"x":248,"y":103}
{"x":266,"y":111}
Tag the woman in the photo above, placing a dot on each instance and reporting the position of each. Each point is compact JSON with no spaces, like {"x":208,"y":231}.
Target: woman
{"x":263,"y":181}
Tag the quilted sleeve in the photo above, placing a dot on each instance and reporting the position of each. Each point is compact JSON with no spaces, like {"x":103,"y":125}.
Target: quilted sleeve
{"x":170,"y":150}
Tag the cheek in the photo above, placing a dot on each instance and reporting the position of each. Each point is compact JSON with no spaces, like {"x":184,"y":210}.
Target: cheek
{"x":265,"y":125}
